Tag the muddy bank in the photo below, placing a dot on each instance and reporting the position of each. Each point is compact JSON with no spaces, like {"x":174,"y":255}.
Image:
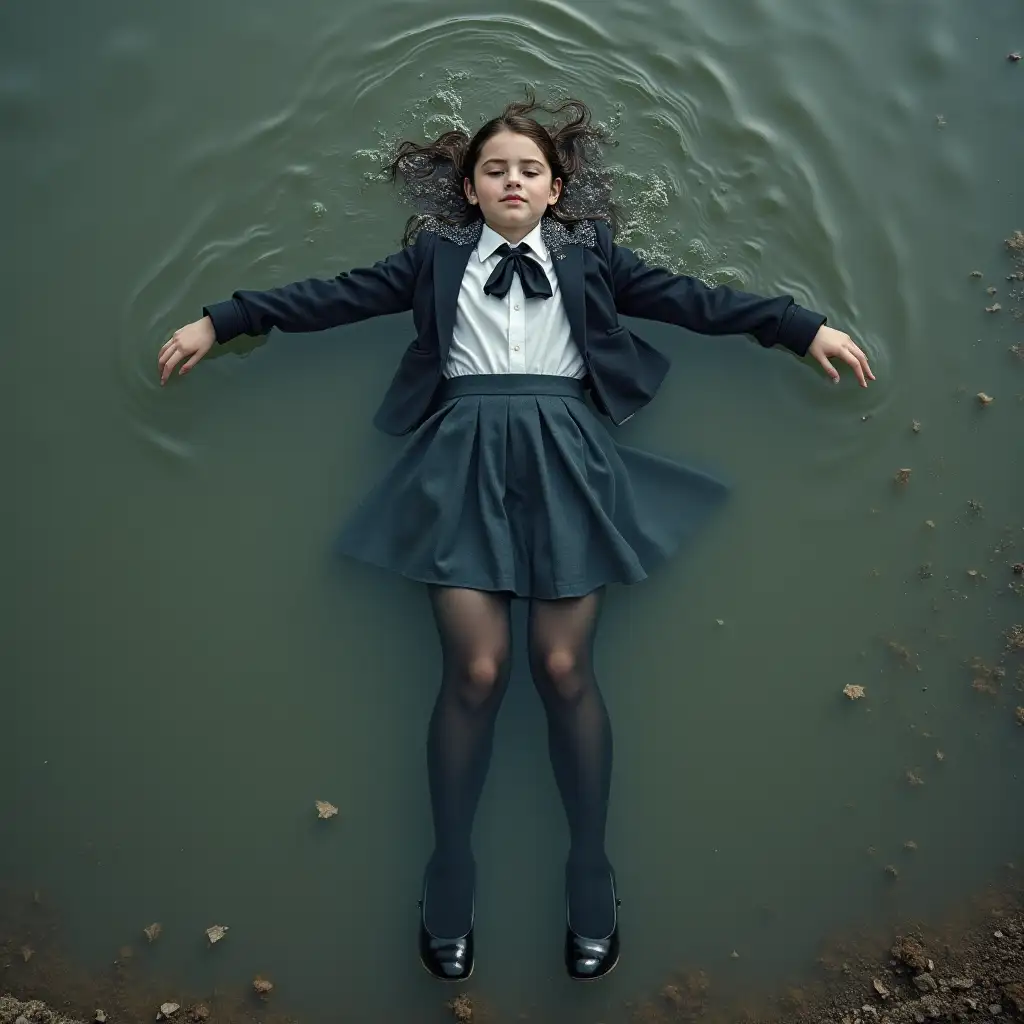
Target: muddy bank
{"x":41,"y":985}
{"x":14,"y":1011}
{"x":970,"y":968}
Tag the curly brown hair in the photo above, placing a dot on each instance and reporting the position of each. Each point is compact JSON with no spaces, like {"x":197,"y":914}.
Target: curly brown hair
{"x":433,"y":173}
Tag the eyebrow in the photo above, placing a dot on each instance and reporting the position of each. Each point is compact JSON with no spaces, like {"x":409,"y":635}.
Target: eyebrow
{"x":499,"y":160}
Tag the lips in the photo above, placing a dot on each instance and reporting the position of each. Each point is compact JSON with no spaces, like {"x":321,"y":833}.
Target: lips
{"x":513,"y":199}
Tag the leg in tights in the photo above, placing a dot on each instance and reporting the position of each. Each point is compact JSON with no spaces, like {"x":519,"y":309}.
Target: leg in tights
{"x":580,"y":743}
{"x":474,"y":631}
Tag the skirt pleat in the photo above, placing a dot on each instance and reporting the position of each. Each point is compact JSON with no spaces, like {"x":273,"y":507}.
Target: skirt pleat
{"x":513,"y":484}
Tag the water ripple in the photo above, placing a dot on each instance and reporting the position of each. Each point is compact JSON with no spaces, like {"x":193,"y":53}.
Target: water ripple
{"x":752,"y":190}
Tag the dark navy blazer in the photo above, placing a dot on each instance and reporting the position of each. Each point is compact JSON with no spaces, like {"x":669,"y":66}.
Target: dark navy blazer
{"x":597,"y":278}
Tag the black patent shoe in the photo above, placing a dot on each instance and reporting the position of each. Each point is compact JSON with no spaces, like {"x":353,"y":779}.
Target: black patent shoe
{"x":447,"y":959}
{"x":586,"y":958}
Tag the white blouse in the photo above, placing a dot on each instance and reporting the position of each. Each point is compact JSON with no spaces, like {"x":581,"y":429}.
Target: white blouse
{"x":513,"y":334}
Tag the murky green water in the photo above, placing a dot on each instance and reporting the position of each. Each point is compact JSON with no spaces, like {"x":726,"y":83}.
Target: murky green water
{"x":186,"y":670}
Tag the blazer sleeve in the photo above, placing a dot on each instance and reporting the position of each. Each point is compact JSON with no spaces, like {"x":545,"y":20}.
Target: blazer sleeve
{"x":315,"y":305}
{"x":654,"y":293}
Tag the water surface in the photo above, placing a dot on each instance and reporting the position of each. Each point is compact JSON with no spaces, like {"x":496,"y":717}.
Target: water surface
{"x":187,"y":670}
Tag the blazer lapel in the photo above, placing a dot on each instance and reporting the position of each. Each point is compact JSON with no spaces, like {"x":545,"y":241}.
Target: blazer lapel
{"x":450,"y":262}
{"x":569,"y":271}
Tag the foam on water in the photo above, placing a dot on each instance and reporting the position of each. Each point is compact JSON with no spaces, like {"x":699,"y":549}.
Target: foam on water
{"x":643,"y":200}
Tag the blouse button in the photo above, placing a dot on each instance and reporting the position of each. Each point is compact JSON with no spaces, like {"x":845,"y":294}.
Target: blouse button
{"x":515,"y":307}
{"x":515,"y":348}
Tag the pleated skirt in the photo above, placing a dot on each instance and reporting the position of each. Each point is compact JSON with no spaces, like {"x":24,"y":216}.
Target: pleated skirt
{"x":513,"y":484}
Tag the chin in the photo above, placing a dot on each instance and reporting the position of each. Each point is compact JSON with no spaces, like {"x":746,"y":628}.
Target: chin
{"x":515,"y":215}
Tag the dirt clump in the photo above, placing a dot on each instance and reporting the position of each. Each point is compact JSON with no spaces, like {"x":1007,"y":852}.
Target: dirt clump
{"x":462,"y":1009}
{"x":910,"y":952}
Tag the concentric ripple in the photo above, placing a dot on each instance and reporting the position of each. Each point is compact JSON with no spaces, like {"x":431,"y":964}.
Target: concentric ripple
{"x":732,"y":179}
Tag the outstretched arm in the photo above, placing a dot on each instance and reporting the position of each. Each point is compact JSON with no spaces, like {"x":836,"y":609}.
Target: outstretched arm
{"x":311,"y":305}
{"x":315,"y":305}
{"x":654,"y":293}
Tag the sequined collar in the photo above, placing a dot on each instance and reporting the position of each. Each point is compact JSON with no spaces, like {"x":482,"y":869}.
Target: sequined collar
{"x":556,"y":235}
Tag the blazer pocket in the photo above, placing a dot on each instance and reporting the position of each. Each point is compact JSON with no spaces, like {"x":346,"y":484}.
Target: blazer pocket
{"x":416,"y":361}
{"x":628,"y":366}
{"x":411,"y":391}
{"x":614,"y":349}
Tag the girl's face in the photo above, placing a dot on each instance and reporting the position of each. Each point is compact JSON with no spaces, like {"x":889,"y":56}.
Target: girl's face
{"x":513,"y":185}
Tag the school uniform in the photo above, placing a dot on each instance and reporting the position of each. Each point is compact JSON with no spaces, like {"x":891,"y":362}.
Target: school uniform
{"x":509,"y":480}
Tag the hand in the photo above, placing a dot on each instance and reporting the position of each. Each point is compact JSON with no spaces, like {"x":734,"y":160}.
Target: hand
{"x":192,"y":341}
{"x":828,"y":342}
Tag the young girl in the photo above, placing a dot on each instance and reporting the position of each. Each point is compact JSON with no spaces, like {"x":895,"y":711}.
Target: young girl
{"x":509,"y":485}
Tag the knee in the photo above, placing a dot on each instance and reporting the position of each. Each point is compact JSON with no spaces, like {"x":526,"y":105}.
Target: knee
{"x":482,"y":677}
{"x":560,"y":673}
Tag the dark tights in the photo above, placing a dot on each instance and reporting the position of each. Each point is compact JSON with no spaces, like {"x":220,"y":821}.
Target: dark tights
{"x":474,"y":630}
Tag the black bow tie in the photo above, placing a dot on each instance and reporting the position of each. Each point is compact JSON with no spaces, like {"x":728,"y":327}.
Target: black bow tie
{"x":515,"y":261}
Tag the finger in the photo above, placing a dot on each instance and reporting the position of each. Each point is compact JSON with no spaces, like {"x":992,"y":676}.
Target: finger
{"x":167,"y":351}
{"x":850,"y":357}
{"x":169,"y":343}
{"x":862,"y":356}
{"x":192,"y":362}
{"x":170,"y":365}
{"x":829,"y":368}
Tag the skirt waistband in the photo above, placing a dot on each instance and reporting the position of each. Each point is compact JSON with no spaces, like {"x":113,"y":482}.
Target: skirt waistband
{"x":511,"y":384}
